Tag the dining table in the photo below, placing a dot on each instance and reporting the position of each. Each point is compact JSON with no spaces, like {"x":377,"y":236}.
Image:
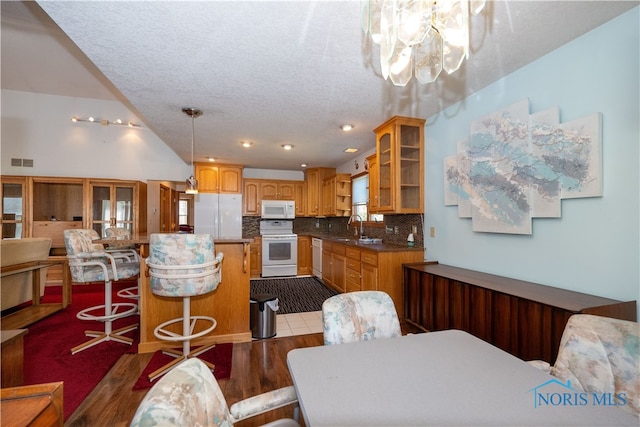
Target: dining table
{"x":446,"y":378}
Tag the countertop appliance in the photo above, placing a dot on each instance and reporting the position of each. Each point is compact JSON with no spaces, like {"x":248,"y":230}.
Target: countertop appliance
{"x":278,"y":209}
{"x":316,"y":253}
{"x":279,"y":248}
{"x":218,"y":214}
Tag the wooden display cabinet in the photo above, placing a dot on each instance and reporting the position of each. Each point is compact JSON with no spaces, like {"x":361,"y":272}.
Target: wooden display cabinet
{"x":15,"y":207}
{"x":399,"y":150}
{"x":57,"y":206}
{"x":113,"y":203}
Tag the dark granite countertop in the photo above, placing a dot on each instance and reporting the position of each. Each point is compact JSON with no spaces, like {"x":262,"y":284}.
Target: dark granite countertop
{"x":381,"y":247}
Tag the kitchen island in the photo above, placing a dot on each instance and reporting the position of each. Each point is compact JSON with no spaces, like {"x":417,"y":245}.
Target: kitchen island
{"x":228,"y":304}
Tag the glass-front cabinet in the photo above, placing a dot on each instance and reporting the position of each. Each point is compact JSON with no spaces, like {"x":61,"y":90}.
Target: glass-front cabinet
{"x":400,"y":171}
{"x":14,"y":206}
{"x":112,"y":205}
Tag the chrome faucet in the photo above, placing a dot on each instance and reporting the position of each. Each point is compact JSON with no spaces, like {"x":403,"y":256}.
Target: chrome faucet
{"x":359,"y":219}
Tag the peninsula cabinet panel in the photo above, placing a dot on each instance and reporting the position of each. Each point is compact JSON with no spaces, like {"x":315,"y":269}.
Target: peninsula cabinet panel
{"x":523,"y":318}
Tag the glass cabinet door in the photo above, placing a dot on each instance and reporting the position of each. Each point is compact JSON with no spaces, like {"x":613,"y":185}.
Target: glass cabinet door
{"x":112,"y":206}
{"x":13,"y":203}
{"x":385,"y":169}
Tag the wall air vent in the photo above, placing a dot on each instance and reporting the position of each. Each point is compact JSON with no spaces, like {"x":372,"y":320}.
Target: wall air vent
{"x":25,"y":163}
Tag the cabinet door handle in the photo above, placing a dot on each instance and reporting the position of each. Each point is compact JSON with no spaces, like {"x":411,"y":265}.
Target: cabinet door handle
{"x":245,"y":257}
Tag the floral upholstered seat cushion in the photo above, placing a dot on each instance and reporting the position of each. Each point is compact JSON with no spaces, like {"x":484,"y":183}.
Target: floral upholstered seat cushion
{"x":183,"y":265}
{"x":359,"y":316}
{"x":89,"y":262}
{"x":186,"y":396}
{"x":189,"y":395}
{"x":602,"y":355}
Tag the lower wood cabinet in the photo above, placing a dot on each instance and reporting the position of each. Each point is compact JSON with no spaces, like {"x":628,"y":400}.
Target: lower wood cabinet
{"x":523,"y":318}
{"x":255,"y":257}
{"x":349,"y":268}
{"x":305,"y":261}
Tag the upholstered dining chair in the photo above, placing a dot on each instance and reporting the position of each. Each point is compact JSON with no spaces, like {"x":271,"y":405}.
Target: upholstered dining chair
{"x":182,"y":266}
{"x":89,"y":262}
{"x":359,"y":316}
{"x":599,"y":354}
{"x":189,"y":395}
{"x":132,"y":292}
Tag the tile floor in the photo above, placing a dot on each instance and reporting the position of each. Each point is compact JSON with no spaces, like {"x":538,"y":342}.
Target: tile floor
{"x":298,"y":323}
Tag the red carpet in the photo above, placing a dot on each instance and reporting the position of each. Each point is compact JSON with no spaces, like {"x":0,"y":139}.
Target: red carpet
{"x":220,"y":355}
{"x":47,"y":346}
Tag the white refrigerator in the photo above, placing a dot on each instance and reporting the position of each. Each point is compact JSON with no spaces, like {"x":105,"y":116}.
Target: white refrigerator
{"x":218,"y":214}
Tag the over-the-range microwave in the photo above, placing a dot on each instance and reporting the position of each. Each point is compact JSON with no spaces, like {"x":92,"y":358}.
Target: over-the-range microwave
{"x":278,"y":209}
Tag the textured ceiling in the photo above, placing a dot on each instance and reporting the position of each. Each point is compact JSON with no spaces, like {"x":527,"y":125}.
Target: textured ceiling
{"x":269,"y":72}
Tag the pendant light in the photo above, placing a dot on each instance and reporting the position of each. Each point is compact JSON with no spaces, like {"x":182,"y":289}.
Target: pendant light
{"x":192,"y":182}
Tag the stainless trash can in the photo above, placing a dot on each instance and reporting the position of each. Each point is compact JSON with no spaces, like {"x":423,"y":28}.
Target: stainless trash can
{"x":263,"y":315}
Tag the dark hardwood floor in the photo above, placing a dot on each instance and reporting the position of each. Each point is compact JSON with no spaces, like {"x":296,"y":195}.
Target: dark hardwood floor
{"x":257,"y":367}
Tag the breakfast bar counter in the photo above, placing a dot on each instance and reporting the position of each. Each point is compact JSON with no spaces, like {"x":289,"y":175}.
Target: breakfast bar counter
{"x":228,"y":304}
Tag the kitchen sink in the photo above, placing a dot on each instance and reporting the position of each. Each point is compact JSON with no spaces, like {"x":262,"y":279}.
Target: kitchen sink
{"x":369,"y":241}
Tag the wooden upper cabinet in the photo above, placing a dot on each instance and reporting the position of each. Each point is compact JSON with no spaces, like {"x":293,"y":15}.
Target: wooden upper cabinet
{"x":250,"y":199}
{"x":314,"y":178}
{"x":275,"y":190}
{"x":219,"y":178}
{"x":372,"y":162}
{"x":336,"y":195}
{"x":300,"y":197}
{"x":399,"y":150}
{"x":256,"y":190}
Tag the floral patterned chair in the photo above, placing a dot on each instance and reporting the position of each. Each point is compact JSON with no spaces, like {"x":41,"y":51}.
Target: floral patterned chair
{"x":90,"y":262}
{"x":600,"y":354}
{"x":359,"y":316}
{"x":123,"y":233}
{"x":182,"y":266}
{"x":189,"y":395}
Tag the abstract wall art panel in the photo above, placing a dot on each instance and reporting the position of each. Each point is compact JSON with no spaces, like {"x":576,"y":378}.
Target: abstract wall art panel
{"x":517,"y":166}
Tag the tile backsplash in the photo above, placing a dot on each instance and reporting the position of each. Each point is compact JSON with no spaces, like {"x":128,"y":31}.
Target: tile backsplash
{"x":395,"y":228}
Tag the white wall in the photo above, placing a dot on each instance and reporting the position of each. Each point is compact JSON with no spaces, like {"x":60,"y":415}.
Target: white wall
{"x":595,"y":247}
{"x":39,"y":127}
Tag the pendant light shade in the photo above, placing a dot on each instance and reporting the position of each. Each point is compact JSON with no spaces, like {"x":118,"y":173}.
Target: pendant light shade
{"x":192,"y":182}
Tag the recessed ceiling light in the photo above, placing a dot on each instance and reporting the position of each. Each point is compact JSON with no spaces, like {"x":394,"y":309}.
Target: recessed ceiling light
{"x":303,"y":165}
{"x":287,"y":146}
{"x":247,"y":144}
{"x":350,"y":150}
{"x":347,"y":128}
{"x":211,"y":159}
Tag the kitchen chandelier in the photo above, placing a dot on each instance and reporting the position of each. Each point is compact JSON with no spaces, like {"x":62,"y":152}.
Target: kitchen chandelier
{"x":192,"y":182}
{"x":419,"y":36}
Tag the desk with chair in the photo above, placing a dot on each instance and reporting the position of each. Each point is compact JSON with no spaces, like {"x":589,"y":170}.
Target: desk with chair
{"x":436,"y":378}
